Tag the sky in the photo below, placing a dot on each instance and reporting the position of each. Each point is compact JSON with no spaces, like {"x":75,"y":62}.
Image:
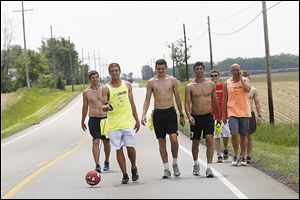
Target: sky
{"x":135,"y":34}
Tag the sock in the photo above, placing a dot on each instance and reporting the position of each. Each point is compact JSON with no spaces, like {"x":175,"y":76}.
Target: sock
{"x":166,"y":166}
{"x":196,"y":162}
{"x":174,"y":161}
{"x":208,"y":165}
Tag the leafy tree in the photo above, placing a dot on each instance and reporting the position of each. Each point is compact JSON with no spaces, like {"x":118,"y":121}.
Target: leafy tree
{"x":147,"y":72}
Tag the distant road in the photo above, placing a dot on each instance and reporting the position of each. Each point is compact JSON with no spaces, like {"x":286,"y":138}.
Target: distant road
{"x":50,"y":160}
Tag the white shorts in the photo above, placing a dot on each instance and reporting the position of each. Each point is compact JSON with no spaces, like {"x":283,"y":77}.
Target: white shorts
{"x":122,"y":137}
{"x":225,"y":131}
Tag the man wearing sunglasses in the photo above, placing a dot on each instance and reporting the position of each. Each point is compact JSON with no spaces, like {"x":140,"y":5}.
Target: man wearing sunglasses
{"x":225,"y":133}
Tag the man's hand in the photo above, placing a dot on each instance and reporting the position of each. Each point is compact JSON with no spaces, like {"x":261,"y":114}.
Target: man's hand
{"x":182,"y":120}
{"x":144,"y":120}
{"x":192,"y":120}
{"x":83,"y":126}
{"x":137,"y":126}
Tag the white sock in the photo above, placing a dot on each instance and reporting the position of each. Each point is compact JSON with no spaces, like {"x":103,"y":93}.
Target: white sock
{"x":166,"y":166}
{"x":174,"y":161}
{"x":196,"y":162}
{"x":208,"y":165}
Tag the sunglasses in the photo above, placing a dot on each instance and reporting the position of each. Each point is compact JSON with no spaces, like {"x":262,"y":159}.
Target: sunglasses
{"x":213,"y":75}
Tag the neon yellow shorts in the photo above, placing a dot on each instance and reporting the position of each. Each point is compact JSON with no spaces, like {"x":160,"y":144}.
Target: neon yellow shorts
{"x":103,"y":127}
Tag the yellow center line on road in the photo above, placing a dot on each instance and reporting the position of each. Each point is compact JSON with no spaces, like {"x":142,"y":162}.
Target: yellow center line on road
{"x":25,"y":181}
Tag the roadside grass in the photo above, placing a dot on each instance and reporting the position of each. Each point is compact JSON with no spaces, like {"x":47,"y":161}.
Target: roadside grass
{"x":35,"y":105}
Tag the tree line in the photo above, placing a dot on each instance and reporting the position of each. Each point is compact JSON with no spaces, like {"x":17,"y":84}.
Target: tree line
{"x":281,"y":61}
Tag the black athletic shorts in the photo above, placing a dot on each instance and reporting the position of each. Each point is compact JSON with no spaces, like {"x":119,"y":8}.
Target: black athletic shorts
{"x":203,"y":123}
{"x":165,"y":122}
{"x":252,"y":123}
{"x":94,"y":127}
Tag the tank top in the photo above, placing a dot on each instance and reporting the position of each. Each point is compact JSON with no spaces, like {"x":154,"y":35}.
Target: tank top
{"x":219,"y":93}
{"x":238,"y":102}
{"x":121,"y":115}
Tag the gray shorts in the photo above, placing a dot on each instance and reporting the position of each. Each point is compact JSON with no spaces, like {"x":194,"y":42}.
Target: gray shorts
{"x":238,"y":125}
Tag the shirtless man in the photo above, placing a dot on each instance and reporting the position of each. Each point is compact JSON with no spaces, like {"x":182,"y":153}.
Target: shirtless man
{"x":164,"y":87}
{"x":201,"y":93}
{"x":92,"y":102}
{"x":253,"y":99}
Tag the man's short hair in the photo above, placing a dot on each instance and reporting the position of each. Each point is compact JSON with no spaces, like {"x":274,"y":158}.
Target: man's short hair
{"x":161,"y":62}
{"x":113,"y":65}
{"x":92,"y":72}
{"x":214,"y":70}
{"x":199,"y":64}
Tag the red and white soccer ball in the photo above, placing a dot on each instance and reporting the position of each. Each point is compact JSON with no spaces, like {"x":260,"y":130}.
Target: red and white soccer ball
{"x":92,"y":177}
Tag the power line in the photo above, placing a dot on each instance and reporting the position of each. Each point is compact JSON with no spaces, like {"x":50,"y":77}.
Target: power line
{"x":223,"y":34}
{"x":202,"y":36}
{"x":225,"y":18}
{"x":274,"y":5}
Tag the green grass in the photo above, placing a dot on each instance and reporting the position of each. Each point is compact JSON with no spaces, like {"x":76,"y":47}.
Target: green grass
{"x":35,"y":105}
{"x":279,"y":134}
{"x":142,"y":83}
{"x":278,"y":158}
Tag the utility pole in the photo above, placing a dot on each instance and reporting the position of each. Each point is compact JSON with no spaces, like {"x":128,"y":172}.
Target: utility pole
{"x":83,"y":79}
{"x":53,"y":60}
{"x":89,"y":59}
{"x":25,"y":49}
{"x":100,"y":68}
{"x":71,"y":67}
{"x":95,"y":61}
{"x":210,"y":46}
{"x":185,"y":53}
{"x":268,"y":62}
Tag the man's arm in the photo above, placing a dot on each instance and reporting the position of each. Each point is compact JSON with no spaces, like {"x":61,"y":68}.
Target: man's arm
{"x":257,"y":103}
{"x":133,"y":108}
{"x":215,"y":102}
{"x":84,"y":110}
{"x":224,"y":103}
{"x":146,"y":103}
{"x":245,"y":83}
{"x":187,"y":104}
{"x":178,"y":101}
{"x":105,"y":98}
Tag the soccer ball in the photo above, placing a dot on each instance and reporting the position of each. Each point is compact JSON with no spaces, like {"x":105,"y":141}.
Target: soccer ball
{"x":92,"y":177}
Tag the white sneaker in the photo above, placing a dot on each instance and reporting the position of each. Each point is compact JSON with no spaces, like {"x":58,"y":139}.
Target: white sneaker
{"x":176,"y":170}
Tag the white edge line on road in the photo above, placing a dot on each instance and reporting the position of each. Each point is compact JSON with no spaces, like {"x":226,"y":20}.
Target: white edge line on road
{"x":32,"y":131}
{"x":227,"y":183}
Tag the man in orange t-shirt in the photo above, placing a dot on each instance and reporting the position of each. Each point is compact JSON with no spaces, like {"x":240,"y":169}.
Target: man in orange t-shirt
{"x":236,"y":108}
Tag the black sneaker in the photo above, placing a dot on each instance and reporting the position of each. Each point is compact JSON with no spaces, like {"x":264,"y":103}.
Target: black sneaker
{"x":220,"y":159}
{"x":249,"y":160}
{"x":225,"y":155}
{"x":135,"y":175}
{"x":106,"y":166}
{"x":98,"y":168}
{"x":125,"y":179}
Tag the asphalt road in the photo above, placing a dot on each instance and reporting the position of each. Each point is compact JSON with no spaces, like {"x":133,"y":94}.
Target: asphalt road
{"x":50,"y":160}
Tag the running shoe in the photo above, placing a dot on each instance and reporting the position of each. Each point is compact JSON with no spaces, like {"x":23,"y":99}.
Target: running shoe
{"x":176,"y":170}
{"x":209,"y":173}
{"x":243,"y":162}
{"x":249,"y":160}
{"x":235,"y":161}
{"x":225,"y":156}
{"x":125,"y":179}
{"x":135,"y":175}
{"x":167,"y":174}
{"x":196,"y":170}
{"x":220,"y":159}
{"x":98,"y":168}
{"x":106,"y":166}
